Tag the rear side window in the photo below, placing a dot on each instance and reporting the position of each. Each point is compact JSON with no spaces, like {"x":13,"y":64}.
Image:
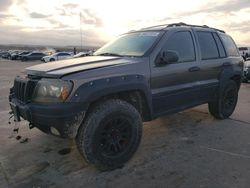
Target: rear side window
{"x":207,"y":45}
{"x":182,"y":43}
{"x":219,"y":45}
{"x":229,"y":45}
{"x":63,"y":54}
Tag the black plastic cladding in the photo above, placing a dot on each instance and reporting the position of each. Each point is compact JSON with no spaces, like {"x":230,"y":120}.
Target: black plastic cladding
{"x":91,"y":91}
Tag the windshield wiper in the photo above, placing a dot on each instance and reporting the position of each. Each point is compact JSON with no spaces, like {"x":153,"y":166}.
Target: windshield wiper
{"x":110,"y":54}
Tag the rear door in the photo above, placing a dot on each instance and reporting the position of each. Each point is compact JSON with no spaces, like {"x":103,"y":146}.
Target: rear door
{"x":175,"y":86}
{"x":217,"y":53}
{"x":212,"y":58}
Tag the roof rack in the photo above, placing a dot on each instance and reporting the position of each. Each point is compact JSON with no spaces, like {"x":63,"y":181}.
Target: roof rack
{"x":180,"y":24}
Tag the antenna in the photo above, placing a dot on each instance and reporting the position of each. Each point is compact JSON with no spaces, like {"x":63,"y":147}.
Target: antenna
{"x":81,"y":29}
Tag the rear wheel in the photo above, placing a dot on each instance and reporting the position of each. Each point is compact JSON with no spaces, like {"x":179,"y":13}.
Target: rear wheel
{"x":225,"y":103}
{"x":110,"y":135}
{"x":52,"y":59}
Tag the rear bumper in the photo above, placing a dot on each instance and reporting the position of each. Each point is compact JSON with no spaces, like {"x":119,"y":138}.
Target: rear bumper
{"x":62,"y":119}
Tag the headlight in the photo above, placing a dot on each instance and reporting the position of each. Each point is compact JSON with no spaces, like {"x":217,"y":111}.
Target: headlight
{"x":52,"y":90}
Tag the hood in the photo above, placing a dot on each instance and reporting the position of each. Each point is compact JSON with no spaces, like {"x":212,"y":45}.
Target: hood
{"x":60,"y":68}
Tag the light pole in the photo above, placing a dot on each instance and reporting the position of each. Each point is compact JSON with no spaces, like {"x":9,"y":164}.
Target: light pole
{"x":81,"y":29}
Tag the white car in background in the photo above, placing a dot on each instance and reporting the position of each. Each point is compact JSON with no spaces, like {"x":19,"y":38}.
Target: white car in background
{"x":57,"y":56}
{"x":244,"y":52}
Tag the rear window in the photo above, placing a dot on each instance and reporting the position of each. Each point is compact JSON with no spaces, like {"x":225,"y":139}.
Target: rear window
{"x":207,"y":45}
{"x":230,"y":46}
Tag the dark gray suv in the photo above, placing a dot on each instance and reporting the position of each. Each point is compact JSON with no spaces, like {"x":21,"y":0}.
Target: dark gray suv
{"x":102,"y":100}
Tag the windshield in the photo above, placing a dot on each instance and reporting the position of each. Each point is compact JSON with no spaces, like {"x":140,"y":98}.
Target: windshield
{"x":131,"y":44}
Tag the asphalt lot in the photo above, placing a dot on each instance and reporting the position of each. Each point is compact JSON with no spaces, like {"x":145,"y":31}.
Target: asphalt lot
{"x":189,"y":149}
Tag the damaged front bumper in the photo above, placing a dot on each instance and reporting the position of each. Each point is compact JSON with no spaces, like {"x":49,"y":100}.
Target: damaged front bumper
{"x":60,"y":119}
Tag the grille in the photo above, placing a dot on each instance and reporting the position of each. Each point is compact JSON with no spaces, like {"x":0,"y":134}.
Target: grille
{"x":23,"y":89}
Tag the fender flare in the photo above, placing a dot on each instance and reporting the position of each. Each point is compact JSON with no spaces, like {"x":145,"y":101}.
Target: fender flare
{"x":226,"y":74}
{"x":94,"y":90}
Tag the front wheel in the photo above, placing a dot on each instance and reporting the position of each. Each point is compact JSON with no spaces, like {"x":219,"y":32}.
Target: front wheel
{"x":110,"y":135}
{"x":223,"y":106}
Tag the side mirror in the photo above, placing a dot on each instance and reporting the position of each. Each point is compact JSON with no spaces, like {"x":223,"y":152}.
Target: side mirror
{"x":166,"y":57}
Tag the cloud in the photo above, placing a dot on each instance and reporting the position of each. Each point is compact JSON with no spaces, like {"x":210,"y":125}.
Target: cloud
{"x":53,"y":37}
{"x":242,"y":27}
{"x":38,"y":15}
{"x":227,"y":7}
{"x":57,"y":24}
{"x":5,"y":4}
{"x":90,"y":18}
{"x":70,"y":5}
{"x":21,"y":2}
{"x":69,"y":9}
{"x":6,"y":16}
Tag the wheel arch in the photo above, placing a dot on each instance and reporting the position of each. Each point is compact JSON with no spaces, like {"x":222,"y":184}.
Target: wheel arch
{"x":133,"y":89}
{"x":230,"y":74}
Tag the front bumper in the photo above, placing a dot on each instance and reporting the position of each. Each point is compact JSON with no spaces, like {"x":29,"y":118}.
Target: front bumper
{"x":61,"y":119}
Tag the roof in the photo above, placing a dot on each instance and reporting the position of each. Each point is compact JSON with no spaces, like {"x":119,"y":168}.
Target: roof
{"x":181,"y":24}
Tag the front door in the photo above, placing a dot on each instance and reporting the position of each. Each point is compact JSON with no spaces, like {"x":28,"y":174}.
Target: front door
{"x":176,"y":86}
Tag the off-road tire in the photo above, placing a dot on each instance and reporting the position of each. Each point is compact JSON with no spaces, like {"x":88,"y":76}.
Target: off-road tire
{"x":96,"y":126}
{"x":223,"y":106}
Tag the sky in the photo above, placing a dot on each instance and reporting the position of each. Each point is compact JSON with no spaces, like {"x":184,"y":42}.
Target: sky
{"x":58,"y":23}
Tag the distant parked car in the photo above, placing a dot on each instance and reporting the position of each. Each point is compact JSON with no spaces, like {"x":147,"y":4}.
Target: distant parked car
{"x":82,"y":54}
{"x":244,"y":52}
{"x":246,"y":76}
{"x":15,"y":56}
{"x":3,"y":54}
{"x":32,"y":56}
{"x":7,"y":55}
{"x":57,"y":56}
{"x":14,"y":53}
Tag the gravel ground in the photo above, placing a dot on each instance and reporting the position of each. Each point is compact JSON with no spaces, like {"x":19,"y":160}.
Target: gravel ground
{"x":188,"y":149}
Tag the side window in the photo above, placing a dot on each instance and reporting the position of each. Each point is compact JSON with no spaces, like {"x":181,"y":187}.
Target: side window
{"x":229,"y":45}
{"x":219,"y":45}
{"x":182,"y":43}
{"x":65,"y":54}
{"x":207,"y":45}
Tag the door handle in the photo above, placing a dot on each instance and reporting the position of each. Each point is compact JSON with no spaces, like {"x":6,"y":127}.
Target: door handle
{"x":193,"y":69}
